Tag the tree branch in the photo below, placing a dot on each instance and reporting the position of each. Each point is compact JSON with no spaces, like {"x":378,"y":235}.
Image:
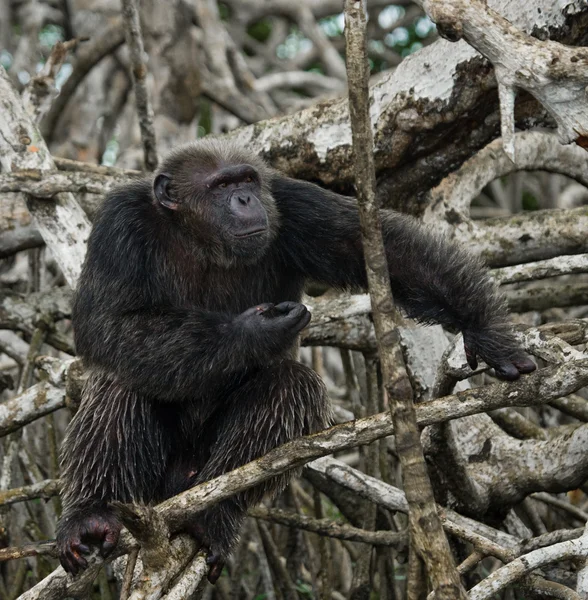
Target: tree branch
{"x":426,"y":532}
{"x":554,"y":74}
{"x":63,"y":224}
{"x":134,"y":40}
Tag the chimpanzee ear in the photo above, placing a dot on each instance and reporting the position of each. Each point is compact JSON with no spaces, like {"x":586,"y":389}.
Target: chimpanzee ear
{"x":161,"y":188}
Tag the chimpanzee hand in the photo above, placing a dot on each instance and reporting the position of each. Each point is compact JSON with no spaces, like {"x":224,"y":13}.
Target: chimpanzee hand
{"x":499,"y":349}
{"x":91,"y":526}
{"x":281,"y":321}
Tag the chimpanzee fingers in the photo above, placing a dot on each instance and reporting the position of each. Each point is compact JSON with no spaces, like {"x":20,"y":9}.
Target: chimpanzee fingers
{"x":216,"y":565}
{"x":109,"y":542}
{"x":471,"y":357}
{"x":81,"y":562}
{"x":299,"y":318}
{"x":71,"y":559}
{"x":293,"y":310}
{"x":507,"y":371}
{"x":304,"y":320}
{"x":256,"y":310}
{"x":286,"y":307}
{"x":524,"y":364}
{"x":261,"y":308}
{"x":295,"y":316}
{"x":512,"y":370}
{"x":83,"y":548}
{"x":68,"y":565}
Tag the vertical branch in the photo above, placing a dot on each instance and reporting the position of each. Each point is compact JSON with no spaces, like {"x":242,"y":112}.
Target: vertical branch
{"x":362,"y":576}
{"x":427,"y":535}
{"x":325,"y":574}
{"x":139,"y":69}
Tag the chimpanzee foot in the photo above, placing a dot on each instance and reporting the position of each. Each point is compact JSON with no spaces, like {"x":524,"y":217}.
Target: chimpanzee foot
{"x":216,"y":565}
{"x":215,"y":558}
{"x":93,"y":526}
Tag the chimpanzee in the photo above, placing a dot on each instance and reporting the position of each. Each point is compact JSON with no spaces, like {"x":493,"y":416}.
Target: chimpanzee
{"x":186,"y":314}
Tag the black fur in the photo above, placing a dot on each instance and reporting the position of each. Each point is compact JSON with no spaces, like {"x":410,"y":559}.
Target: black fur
{"x":191,"y":372}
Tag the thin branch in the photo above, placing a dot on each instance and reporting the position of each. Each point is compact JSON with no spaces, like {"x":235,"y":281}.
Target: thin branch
{"x":563,"y":505}
{"x":40,"y":92}
{"x":43,"y":489}
{"x":329,"y":528}
{"x":66,"y":164}
{"x":37,"y":401}
{"x":125,"y":588}
{"x":87,"y":58}
{"x":139,"y":70}
{"x":35,"y":549}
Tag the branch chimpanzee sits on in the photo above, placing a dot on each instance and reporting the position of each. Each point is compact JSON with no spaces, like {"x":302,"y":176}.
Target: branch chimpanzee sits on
{"x":186,"y":313}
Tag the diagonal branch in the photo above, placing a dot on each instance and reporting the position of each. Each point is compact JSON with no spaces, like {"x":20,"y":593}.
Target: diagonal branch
{"x":542,"y":386}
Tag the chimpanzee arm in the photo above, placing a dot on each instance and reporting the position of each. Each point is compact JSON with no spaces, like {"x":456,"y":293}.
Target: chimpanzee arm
{"x":432,"y":279}
{"x":130,"y":320}
{"x":176,"y":354}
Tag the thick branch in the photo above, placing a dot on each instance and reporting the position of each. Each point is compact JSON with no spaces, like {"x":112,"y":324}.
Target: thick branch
{"x":47,"y":184}
{"x":62,"y":223}
{"x":535,"y":151}
{"x":421,"y":131}
{"x":554,"y":74}
{"x":540,"y":387}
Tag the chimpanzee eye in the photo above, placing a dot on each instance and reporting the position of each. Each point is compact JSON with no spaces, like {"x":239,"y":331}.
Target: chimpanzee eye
{"x":223,"y":185}
{"x":248,"y":179}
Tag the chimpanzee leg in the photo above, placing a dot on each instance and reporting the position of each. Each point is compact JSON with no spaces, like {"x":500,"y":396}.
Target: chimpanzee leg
{"x":116,"y":448}
{"x":279,"y":403}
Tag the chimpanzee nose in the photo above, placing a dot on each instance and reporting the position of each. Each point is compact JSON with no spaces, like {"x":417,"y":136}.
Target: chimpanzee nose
{"x":240,"y":201}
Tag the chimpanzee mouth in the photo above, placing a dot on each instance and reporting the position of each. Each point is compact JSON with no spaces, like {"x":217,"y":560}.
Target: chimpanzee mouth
{"x":250,"y":232}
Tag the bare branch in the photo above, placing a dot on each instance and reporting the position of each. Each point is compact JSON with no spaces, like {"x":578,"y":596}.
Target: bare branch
{"x":35,"y":402}
{"x":189,"y":580}
{"x":535,"y":151}
{"x":63,"y":224}
{"x":43,"y":489}
{"x":327,"y":527}
{"x":425,"y":527}
{"x":87,"y":58}
{"x":554,"y":74}
{"x":405,"y":116}
{"x":139,"y":71}
{"x":47,"y":184}
{"x":518,"y":568}
{"x":552,"y":267}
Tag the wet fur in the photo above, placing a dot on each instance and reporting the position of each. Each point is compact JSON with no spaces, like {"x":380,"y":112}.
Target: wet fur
{"x":179,"y":393}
